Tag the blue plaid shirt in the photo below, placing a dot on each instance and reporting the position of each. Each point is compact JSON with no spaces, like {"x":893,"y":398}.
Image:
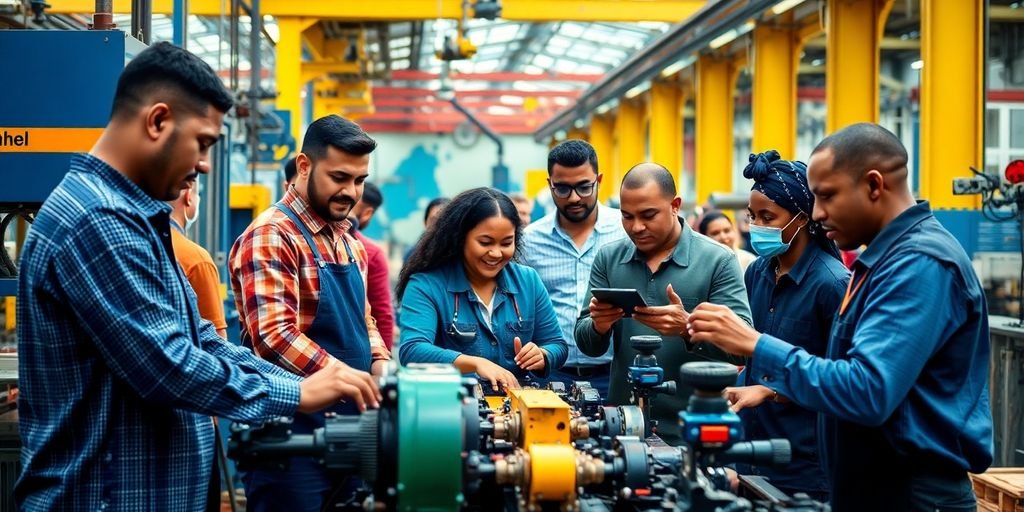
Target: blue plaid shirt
{"x":118,"y":374}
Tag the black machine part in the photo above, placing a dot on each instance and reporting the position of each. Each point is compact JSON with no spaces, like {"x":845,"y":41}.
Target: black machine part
{"x":708,"y":377}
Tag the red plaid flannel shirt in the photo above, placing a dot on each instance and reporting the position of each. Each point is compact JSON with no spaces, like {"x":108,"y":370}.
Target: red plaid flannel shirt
{"x":276,"y":287}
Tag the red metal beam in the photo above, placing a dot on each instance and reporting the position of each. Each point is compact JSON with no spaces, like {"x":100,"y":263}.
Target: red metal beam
{"x":419,"y":91}
{"x":498,"y":76}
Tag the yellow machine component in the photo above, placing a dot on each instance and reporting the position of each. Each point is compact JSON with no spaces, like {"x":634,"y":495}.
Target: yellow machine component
{"x":536,"y":416}
{"x":629,"y":141}
{"x":853,"y":33}
{"x":552,"y":473}
{"x":549,"y":473}
{"x":776,"y":59}
{"x":250,"y":197}
{"x":715,"y":84}
{"x":456,"y":48}
{"x":666,"y":128}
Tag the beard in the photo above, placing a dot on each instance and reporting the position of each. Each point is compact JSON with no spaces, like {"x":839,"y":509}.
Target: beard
{"x":323,"y":208}
{"x":577,"y":217}
{"x":163,"y":164}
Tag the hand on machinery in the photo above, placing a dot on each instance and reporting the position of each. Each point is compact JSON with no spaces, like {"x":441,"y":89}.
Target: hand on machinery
{"x":529,"y":357}
{"x":749,"y":396}
{"x":669,"y":320}
{"x":337,"y":382}
{"x":495,"y":374}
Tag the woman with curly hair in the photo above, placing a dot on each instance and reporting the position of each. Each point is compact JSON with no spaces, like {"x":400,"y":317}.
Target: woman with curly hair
{"x":465,"y":302}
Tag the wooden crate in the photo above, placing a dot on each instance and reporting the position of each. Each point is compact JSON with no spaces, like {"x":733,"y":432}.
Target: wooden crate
{"x":1000,"y":490}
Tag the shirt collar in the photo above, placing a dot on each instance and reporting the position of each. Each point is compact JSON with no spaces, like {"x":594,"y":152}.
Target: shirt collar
{"x":313,"y":221}
{"x":680,"y":255}
{"x":456,"y":280}
{"x":607,"y":222}
{"x":802,"y":266}
{"x":891,"y":233}
{"x":120,"y":183}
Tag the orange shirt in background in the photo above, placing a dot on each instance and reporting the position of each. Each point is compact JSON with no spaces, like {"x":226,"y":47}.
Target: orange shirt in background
{"x":202,"y":275}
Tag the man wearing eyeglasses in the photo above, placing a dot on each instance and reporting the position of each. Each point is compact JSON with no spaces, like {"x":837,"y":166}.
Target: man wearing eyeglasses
{"x":562,"y":246}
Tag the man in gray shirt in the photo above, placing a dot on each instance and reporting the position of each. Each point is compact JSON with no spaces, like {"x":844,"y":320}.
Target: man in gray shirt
{"x":673,"y":268}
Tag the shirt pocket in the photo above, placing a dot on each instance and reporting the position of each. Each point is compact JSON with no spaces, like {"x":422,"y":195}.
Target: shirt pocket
{"x":523,"y":329}
{"x":462,"y":336}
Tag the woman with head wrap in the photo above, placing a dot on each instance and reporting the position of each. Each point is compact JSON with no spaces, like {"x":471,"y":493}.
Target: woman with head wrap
{"x":794,"y":289}
{"x":716,"y":226}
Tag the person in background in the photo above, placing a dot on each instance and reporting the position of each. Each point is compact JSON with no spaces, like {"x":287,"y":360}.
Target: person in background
{"x":299,"y":278}
{"x":524,"y":205}
{"x":718,"y":227}
{"x":378,"y":283}
{"x":673,"y":268}
{"x":430,"y":215}
{"x":464,"y":302}
{"x":118,"y":373}
{"x":904,"y":386}
{"x":795,"y":288}
{"x":289,"y":174}
{"x":195,"y":261}
{"x":562,"y":246}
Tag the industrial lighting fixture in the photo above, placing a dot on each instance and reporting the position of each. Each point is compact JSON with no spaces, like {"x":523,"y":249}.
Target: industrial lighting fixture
{"x":637,"y":90}
{"x":785,"y":5}
{"x":677,"y":66}
{"x":731,"y":35}
{"x":579,"y":124}
{"x":603,"y":108}
{"x":917,"y":64}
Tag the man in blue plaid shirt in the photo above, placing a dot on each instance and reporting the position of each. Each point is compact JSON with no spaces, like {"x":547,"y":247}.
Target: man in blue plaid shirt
{"x":118,"y":373}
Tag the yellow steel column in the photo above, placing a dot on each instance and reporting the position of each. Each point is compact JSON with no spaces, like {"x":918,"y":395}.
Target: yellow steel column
{"x":714,"y":127}
{"x":952,"y":98}
{"x":601,"y":139}
{"x":854,"y":32}
{"x":776,"y":61}
{"x":288,"y":70}
{"x":666,"y":130}
{"x":629,"y":140}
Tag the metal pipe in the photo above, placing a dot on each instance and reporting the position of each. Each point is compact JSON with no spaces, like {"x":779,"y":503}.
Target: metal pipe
{"x":233,"y":42}
{"x":499,"y":173}
{"x":142,"y":20}
{"x":179,"y":23}
{"x":103,"y":18}
{"x":254,"y":84}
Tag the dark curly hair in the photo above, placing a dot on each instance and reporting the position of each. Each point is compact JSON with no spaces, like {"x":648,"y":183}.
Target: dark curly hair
{"x":443,"y":243}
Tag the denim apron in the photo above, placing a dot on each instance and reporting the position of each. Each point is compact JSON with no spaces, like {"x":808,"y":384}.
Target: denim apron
{"x":339,"y":327}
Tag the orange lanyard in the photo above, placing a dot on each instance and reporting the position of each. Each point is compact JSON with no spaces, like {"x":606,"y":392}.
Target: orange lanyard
{"x":850,"y":293}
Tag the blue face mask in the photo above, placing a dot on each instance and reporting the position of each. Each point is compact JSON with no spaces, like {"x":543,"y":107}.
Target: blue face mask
{"x":767,"y":241}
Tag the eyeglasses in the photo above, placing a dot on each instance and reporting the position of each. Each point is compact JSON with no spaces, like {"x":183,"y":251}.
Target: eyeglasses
{"x":563,"y":191}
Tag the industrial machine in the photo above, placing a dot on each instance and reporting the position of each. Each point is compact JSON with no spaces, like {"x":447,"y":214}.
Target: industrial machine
{"x":437,"y":444}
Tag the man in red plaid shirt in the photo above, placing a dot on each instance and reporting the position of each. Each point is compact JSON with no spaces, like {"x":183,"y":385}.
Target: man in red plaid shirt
{"x":299,"y":279}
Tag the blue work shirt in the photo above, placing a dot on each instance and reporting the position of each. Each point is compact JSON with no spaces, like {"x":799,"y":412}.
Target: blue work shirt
{"x":905,"y":382}
{"x":520,"y":307}
{"x":565,"y":268}
{"x":799,"y":308}
{"x":118,"y":374}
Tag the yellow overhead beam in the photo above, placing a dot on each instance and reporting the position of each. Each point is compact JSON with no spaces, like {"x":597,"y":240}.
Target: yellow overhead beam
{"x":628,"y":141}
{"x":602,"y":140}
{"x":288,"y":71}
{"x":776,"y":62}
{"x":853,"y":30}
{"x":666,"y":129}
{"x":670,"y":11}
{"x":714,"y":126}
{"x":952,"y":98}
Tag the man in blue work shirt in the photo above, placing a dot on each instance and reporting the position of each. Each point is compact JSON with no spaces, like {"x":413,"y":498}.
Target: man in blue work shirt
{"x":904,"y":387}
{"x":118,"y":374}
{"x":562,"y":245}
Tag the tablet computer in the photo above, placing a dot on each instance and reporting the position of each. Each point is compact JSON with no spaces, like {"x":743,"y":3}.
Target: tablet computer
{"x":623,"y":298}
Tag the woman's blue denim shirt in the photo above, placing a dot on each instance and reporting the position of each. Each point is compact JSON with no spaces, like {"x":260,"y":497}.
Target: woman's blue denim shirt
{"x":431,"y":333}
